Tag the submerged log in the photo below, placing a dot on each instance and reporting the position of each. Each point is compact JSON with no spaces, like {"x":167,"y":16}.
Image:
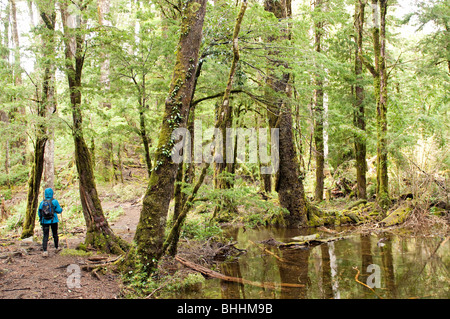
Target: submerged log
{"x":301,"y":241}
{"x":214,"y":274}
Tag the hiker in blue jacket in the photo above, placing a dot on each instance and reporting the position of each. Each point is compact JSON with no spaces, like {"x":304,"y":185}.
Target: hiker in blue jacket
{"x":48,"y":210}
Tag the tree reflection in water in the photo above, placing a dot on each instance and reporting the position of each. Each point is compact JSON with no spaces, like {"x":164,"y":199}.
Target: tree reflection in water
{"x":409,"y":267}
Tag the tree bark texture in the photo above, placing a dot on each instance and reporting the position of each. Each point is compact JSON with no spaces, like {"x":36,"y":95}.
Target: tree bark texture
{"x":149,"y":235}
{"x":288,"y":184}
{"x":379,"y":73}
{"x":48,"y":15}
{"x":382,"y":152}
{"x":225,"y":113}
{"x":359,"y":111}
{"x":99,"y":234}
{"x":319,"y":151}
{"x":18,"y":113}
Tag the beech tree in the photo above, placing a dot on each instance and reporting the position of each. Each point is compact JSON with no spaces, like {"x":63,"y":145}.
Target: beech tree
{"x":149,"y":235}
{"x":288,"y":183}
{"x":359,"y":107}
{"x":380,"y":82}
{"x":45,"y":100}
{"x":318,"y":100}
{"x":99,"y":233}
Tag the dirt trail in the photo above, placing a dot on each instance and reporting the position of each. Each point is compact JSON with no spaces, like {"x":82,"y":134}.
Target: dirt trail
{"x":25,"y":274}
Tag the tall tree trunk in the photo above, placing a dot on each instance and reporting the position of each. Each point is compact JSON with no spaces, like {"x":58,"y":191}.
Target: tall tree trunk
{"x":48,"y":43}
{"x":15,"y":37}
{"x":103,"y":8}
{"x":144,"y":136}
{"x":49,"y":159}
{"x":99,"y":234}
{"x":185,"y":174}
{"x":19,"y":112}
{"x":288,"y":184}
{"x":225,"y":118}
{"x":358,"y":108}
{"x":48,"y":15}
{"x":149,"y":235}
{"x":379,"y":74}
{"x":382,"y":153}
{"x":318,"y":110}
{"x":109,"y":171}
{"x":4,"y":116}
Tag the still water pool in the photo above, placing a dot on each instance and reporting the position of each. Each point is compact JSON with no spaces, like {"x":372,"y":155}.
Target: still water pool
{"x":380,"y":265}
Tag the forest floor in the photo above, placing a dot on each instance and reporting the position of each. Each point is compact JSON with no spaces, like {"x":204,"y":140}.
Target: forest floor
{"x":26,"y":274}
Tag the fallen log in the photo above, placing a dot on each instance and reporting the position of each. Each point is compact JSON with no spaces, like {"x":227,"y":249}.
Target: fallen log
{"x":305,"y":241}
{"x":398,"y":216}
{"x":268,"y":251}
{"x":214,"y":274}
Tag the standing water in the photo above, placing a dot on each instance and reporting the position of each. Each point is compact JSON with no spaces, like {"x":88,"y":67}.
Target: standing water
{"x":379,"y":265}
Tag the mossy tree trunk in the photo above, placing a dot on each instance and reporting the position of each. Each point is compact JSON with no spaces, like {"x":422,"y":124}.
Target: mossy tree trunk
{"x":288,"y":184}
{"x":98,"y":235}
{"x":143,"y":129}
{"x":225,"y":119}
{"x":34,"y":183}
{"x":318,"y":109}
{"x":149,"y":235}
{"x":45,"y":99}
{"x":382,"y":152}
{"x":378,"y":70}
{"x":359,"y":110}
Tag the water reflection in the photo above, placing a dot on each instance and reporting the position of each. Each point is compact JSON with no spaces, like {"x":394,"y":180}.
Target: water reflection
{"x":406,"y":268}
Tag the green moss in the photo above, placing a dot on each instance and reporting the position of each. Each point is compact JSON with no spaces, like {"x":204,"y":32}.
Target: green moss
{"x":75,"y":252}
{"x":398,"y":216}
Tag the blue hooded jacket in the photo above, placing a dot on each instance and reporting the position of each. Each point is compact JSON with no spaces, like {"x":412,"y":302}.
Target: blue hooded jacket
{"x":48,"y":194}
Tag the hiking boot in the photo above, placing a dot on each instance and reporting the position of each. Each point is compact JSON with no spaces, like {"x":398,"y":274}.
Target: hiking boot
{"x":58,"y":249}
{"x":45,"y":254}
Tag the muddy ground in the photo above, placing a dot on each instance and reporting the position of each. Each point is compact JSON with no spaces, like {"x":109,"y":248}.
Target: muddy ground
{"x":25,"y":274}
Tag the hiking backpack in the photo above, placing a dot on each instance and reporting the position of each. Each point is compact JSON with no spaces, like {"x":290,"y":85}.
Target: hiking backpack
{"x":47,"y":209}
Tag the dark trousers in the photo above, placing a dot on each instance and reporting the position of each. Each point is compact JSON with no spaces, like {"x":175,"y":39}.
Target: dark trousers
{"x":46,"y":230}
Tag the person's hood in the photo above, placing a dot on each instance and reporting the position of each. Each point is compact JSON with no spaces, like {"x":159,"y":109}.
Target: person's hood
{"x":48,"y":193}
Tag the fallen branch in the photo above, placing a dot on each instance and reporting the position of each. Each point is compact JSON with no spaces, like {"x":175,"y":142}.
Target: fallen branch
{"x":303,"y":242}
{"x":360,"y":282}
{"x":15,"y":289}
{"x":268,"y":251}
{"x":215,"y":274}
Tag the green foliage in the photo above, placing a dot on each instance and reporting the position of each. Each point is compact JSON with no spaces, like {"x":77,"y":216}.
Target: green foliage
{"x":15,"y":218}
{"x":201,"y":229}
{"x":166,"y":286}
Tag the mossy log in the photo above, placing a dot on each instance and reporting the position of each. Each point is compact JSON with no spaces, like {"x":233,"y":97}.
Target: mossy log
{"x":398,"y":216}
{"x":358,"y":212}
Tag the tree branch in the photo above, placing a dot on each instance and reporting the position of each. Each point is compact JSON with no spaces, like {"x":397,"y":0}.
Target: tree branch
{"x":368,"y":65}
